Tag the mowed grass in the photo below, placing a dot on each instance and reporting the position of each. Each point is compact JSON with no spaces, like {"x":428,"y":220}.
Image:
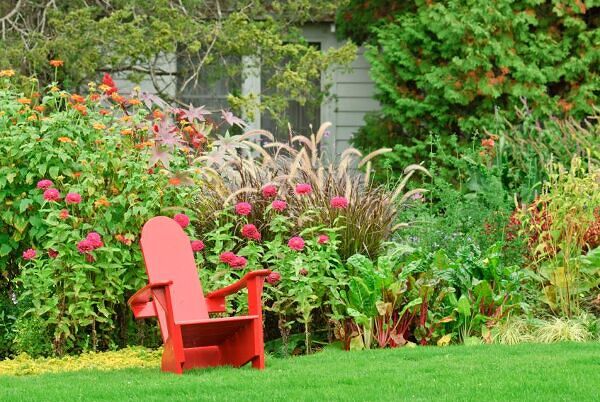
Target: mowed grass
{"x":527,"y":372}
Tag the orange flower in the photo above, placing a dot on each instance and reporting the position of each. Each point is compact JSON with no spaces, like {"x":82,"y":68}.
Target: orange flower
{"x":57,"y":63}
{"x":174,"y":181}
{"x":77,"y":98}
{"x":7,"y":73}
{"x":127,"y":131}
{"x":117,"y":98}
{"x":36,"y":95}
{"x":102,"y":202}
{"x":65,"y":139}
{"x":24,"y":101}
{"x":94,"y":97}
{"x":134,"y":101}
{"x":80,"y":108}
{"x":40,"y":108}
{"x":54,"y":89}
{"x":32,"y":117}
{"x":157,"y":114}
{"x":98,"y":126}
{"x":104,"y":112}
{"x":488,"y":143}
{"x":76,"y":174}
{"x":125,"y":118}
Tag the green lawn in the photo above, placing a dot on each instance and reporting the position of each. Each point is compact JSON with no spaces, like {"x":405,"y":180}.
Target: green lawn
{"x":508,"y":373}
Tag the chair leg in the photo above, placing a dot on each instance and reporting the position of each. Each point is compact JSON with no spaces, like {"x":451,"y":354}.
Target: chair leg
{"x":170,"y":362}
{"x":259,"y":362}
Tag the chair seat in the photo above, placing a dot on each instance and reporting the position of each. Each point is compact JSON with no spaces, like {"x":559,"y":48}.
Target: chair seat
{"x":212,"y":331}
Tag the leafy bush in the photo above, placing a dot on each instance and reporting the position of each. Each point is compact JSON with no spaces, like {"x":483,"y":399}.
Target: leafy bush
{"x":79,"y":176}
{"x":428,"y":298}
{"x":558,"y":227}
{"x":454,"y":67}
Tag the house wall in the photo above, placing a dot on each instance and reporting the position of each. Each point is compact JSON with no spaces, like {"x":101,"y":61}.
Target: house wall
{"x":351,"y":91}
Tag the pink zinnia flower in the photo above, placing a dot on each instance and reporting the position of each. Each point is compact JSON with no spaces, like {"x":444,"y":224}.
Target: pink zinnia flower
{"x":273,"y":278}
{"x":64,"y":214}
{"x":85,"y":246}
{"x":339,"y":202}
{"x":296,"y":243}
{"x":323,"y":239}
{"x":197,"y":245}
{"x":243,"y":208}
{"x":44,"y":184}
{"x":303,"y":271}
{"x":73,"y":198}
{"x":303,"y":188}
{"x":249,"y":231}
{"x":51,"y":194}
{"x":182,"y":219}
{"x":269,"y":191}
{"x":29,"y":254}
{"x":238,"y":262}
{"x":278,"y":205}
{"x":95,"y":240}
{"x":227,"y":257}
{"x":52,"y":253}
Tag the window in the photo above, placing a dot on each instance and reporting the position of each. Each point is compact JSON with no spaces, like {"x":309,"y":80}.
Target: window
{"x":300,"y":117}
{"x":215,"y":82}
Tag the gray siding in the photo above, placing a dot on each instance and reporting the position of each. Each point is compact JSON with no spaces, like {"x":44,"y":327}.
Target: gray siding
{"x":354,"y":92}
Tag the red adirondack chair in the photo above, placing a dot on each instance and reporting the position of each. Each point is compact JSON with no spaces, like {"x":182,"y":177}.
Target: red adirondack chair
{"x":174,"y":295}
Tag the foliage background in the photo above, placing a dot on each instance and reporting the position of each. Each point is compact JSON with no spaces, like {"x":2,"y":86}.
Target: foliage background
{"x":136,"y":37}
{"x":458,"y":67}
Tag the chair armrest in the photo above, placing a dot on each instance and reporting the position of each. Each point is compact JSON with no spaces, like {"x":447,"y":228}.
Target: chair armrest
{"x":253,"y":281}
{"x":237,"y":286}
{"x":140,"y":302}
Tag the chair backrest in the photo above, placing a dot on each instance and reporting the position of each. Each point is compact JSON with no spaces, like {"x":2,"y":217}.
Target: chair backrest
{"x":169,"y":257}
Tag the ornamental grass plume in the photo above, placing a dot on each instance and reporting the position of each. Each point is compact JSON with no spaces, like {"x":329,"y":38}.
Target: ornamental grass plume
{"x":313,"y":189}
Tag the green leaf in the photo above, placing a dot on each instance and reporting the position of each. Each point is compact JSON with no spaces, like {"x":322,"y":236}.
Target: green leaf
{"x":463,"y":306}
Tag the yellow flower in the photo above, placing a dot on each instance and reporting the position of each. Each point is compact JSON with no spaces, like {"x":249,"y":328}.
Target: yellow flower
{"x":99,"y":126}
{"x":7,"y":73}
{"x":32,"y":118}
{"x":54,"y":89}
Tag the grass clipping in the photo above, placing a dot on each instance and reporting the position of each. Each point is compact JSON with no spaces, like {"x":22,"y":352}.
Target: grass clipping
{"x":130,"y":357}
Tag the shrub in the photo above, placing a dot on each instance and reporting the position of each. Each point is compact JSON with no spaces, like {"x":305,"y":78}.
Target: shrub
{"x":557,"y":226}
{"x":453,"y":66}
{"x":79,"y":176}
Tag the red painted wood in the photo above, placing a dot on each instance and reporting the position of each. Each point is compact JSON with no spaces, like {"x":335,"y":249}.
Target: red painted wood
{"x":174,"y":295}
